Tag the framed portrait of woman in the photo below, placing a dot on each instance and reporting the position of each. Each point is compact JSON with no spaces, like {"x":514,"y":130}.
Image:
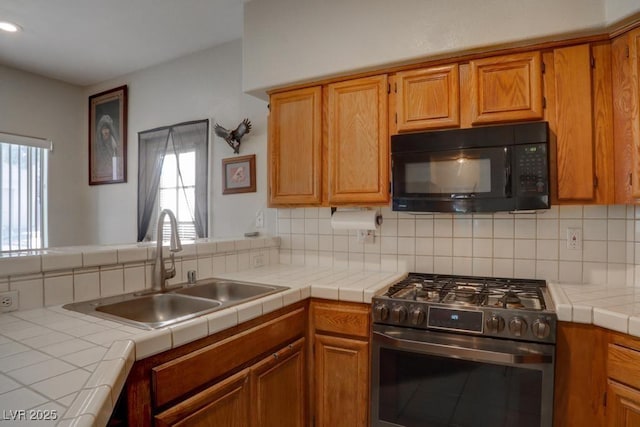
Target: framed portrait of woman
{"x":108,"y":136}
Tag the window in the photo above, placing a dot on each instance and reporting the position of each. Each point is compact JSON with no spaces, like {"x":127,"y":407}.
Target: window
{"x":177,"y":192}
{"x":23,"y":179}
{"x":173,"y":174}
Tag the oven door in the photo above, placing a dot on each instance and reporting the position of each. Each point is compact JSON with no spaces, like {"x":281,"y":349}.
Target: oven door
{"x":423,"y":378}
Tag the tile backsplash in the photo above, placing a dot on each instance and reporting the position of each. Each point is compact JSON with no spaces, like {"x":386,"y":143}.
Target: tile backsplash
{"x":527,"y":245}
{"x":63,"y":275}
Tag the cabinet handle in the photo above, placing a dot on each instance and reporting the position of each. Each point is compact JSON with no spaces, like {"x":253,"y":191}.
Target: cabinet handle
{"x":275,"y":355}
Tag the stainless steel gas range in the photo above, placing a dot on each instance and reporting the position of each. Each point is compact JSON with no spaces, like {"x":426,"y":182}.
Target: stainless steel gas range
{"x":463,"y":351}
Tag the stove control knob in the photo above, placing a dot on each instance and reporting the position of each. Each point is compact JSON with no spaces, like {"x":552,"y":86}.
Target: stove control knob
{"x":541,"y":329}
{"x":518,"y":326}
{"x":398,"y":314}
{"x":494,"y":324}
{"x":417,"y":316}
{"x":381,"y":312}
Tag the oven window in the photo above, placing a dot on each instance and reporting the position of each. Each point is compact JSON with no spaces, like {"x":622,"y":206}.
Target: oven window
{"x":423,"y":390}
{"x":461,"y":175}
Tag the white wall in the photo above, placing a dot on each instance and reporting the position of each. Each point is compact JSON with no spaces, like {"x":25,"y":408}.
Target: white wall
{"x":290,"y":41}
{"x":204,"y":85}
{"x":617,"y":10}
{"x":37,"y":106}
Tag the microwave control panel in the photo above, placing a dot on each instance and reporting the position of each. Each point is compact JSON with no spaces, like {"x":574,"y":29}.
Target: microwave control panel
{"x":532,"y":169}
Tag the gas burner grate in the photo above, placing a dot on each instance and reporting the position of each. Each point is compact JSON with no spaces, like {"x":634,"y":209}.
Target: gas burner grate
{"x":470,"y":291}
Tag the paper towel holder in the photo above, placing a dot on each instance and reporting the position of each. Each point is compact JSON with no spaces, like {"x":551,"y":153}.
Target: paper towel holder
{"x":378,"y":216}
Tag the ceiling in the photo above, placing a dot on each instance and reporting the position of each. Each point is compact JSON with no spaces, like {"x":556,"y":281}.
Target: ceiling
{"x":84,"y":42}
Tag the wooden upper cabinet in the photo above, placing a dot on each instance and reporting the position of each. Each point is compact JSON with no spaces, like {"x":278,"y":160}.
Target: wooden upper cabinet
{"x":358,"y":141}
{"x":295,"y":147}
{"x":427,"y":98}
{"x":626,"y":115}
{"x":506,"y":88}
{"x":580,"y":114}
{"x":574,"y":106}
{"x":634,"y":56}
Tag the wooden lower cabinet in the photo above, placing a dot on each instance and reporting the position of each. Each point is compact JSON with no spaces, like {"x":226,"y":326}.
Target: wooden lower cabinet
{"x":580,"y":376}
{"x":278,"y":388}
{"x":597,"y":377}
{"x":623,"y":405}
{"x":341,"y":359}
{"x":224,"y":404}
{"x":270,"y":393}
{"x":342,"y":381}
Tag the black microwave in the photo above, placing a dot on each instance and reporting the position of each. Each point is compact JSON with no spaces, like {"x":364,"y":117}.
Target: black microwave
{"x":486,"y":169}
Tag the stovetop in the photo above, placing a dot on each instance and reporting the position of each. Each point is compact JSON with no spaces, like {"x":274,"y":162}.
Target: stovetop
{"x":519,"y":309}
{"x":515,"y":294}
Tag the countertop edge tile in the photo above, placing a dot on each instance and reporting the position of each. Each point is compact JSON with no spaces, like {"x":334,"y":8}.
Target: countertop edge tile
{"x":93,"y":403}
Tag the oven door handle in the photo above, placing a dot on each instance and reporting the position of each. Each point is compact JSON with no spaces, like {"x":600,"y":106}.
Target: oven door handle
{"x":457,"y":352}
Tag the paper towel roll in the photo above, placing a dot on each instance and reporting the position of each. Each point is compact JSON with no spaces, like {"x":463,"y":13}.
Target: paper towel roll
{"x":355,"y":220}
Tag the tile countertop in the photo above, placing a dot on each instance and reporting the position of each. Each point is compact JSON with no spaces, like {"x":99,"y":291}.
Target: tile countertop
{"x":59,"y":367}
{"x":612,"y":307}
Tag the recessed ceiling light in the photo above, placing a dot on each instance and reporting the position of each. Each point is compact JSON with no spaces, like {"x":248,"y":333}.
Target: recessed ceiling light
{"x":9,"y":27}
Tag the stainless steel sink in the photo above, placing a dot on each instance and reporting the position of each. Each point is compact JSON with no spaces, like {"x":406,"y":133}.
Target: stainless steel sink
{"x":157,"y":310}
{"x":160,"y":309}
{"x":227,"y":291}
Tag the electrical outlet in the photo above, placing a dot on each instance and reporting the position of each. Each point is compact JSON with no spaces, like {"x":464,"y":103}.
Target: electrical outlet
{"x":259,"y":219}
{"x":574,"y":238}
{"x":8,"y":301}
{"x":257,"y":260}
{"x":366,"y":236}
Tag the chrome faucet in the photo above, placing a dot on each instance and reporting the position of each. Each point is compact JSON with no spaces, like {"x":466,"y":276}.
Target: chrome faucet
{"x":160,"y":272}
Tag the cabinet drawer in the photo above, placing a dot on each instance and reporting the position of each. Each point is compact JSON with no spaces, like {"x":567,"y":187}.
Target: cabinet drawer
{"x":341,"y":318}
{"x":181,"y":376}
{"x":623,"y":365}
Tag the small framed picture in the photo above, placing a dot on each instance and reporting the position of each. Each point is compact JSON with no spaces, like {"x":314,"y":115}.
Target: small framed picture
{"x":239,"y":174}
{"x":108,"y":137}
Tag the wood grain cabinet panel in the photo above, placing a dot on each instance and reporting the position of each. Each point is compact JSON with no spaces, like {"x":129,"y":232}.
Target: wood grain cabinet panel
{"x":358,"y":141}
{"x":224,"y":404}
{"x":623,"y":405}
{"x":278,"y":388}
{"x":506,"y":88}
{"x":341,"y":381}
{"x":626,"y":115}
{"x":574,"y":106}
{"x":295,"y":147}
{"x":428,"y":98}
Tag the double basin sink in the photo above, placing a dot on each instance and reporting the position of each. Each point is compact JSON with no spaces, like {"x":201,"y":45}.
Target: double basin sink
{"x":157,"y":310}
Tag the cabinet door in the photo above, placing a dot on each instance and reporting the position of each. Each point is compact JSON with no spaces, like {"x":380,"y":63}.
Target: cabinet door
{"x":626,"y":115}
{"x":580,"y":375}
{"x":278,"y":388}
{"x":634,"y":56}
{"x":224,"y":404}
{"x":295,"y":147}
{"x":623,"y":405}
{"x":624,"y":109}
{"x":428,"y":98}
{"x":506,"y":88}
{"x":341,"y":381}
{"x":358,"y":141}
{"x":574,"y":104}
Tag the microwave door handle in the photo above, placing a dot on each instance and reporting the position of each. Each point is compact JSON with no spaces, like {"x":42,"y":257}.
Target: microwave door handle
{"x":507,"y":171}
{"x":450,"y":351}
